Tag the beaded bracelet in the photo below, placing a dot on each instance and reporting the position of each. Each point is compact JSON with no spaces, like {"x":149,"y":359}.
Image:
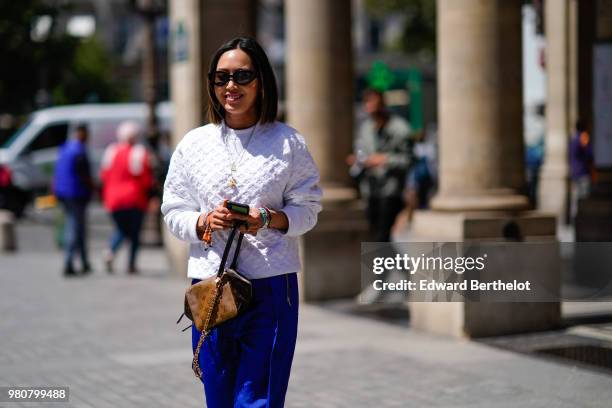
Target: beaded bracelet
{"x":269,"y":214}
{"x":264,"y":217}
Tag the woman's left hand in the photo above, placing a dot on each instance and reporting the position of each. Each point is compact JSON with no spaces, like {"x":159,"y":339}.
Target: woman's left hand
{"x":253,"y":220}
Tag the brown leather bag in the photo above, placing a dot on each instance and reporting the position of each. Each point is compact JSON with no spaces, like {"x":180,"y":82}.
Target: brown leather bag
{"x":218,"y":298}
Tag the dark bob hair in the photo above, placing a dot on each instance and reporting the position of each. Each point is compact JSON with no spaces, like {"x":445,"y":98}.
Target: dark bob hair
{"x":267,"y":97}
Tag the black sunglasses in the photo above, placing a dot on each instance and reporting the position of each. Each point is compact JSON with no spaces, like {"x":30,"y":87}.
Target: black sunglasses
{"x":241,"y":77}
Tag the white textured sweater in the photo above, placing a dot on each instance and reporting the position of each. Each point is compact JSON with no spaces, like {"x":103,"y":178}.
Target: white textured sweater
{"x":275,"y":171}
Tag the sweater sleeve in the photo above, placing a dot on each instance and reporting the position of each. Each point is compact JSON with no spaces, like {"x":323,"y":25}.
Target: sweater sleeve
{"x":302,"y":196}
{"x":179,"y":207}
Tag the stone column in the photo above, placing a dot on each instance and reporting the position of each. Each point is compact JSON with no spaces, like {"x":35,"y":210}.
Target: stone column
{"x":554,"y":184}
{"x":320,"y":105}
{"x":223,"y":20}
{"x":198,"y":28}
{"x":320,"y":81}
{"x":481,"y":162}
{"x":480,"y":106}
{"x":186,"y":74}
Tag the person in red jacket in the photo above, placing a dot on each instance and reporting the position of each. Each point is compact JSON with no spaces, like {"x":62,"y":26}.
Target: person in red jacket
{"x":127,"y":179}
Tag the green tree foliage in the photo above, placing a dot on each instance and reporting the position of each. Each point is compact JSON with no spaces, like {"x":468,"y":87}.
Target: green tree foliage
{"x":90,"y":77}
{"x":21,"y":56}
{"x":73,"y":70}
{"x":420,"y":30}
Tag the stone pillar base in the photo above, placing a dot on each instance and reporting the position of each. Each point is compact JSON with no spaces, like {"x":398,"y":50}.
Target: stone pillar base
{"x":152,"y":225}
{"x":595,"y":211}
{"x":593,"y":219}
{"x":458,"y":319}
{"x":592,"y":224}
{"x":177,"y":252}
{"x":483,"y":201}
{"x":553,"y":191}
{"x":472,"y":319}
{"x":331,"y":251}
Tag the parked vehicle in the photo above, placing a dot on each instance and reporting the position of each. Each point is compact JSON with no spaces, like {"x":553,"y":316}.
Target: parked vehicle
{"x":27,"y":158}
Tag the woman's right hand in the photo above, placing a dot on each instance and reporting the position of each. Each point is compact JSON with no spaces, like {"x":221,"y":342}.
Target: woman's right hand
{"x":219,"y":218}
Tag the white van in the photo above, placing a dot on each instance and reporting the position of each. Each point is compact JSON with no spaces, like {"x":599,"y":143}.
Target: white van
{"x":29,"y":155}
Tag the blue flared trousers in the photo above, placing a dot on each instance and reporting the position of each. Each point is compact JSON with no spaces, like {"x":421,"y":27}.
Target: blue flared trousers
{"x":75,"y":231}
{"x":246,"y":361}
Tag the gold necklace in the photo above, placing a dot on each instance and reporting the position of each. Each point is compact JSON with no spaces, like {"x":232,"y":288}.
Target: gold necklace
{"x":231,"y":181}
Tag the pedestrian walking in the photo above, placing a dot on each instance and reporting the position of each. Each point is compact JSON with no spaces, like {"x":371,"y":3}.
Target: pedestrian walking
{"x":127,"y":180}
{"x":245,"y":155}
{"x":581,"y":165}
{"x":73,"y":186}
{"x":421,"y":180}
{"x":381,"y":160}
{"x":534,"y":157}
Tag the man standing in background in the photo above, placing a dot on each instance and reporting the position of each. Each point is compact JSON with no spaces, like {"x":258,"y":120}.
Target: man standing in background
{"x":73,"y":186}
{"x":382,"y":158}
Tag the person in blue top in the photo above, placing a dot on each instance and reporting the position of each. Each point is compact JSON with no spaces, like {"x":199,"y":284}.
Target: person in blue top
{"x":73,"y":187}
{"x":581,"y":165}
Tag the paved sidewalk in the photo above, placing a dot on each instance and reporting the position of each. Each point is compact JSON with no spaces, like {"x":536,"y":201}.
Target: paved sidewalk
{"x":114,"y":342}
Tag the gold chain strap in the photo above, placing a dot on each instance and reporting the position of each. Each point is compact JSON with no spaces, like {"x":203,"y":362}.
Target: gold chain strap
{"x":195,"y":365}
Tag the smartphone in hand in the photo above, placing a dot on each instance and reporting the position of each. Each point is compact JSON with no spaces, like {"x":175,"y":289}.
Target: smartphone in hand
{"x":237,"y":208}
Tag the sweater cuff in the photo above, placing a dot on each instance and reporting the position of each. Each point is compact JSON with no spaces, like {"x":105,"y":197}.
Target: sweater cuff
{"x":192,"y":223}
{"x":297,"y":224}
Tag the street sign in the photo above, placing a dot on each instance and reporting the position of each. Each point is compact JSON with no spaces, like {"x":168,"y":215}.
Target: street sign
{"x":382,"y":78}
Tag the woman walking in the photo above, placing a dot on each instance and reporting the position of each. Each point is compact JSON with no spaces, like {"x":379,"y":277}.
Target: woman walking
{"x":245,"y":155}
{"x":127,"y":180}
